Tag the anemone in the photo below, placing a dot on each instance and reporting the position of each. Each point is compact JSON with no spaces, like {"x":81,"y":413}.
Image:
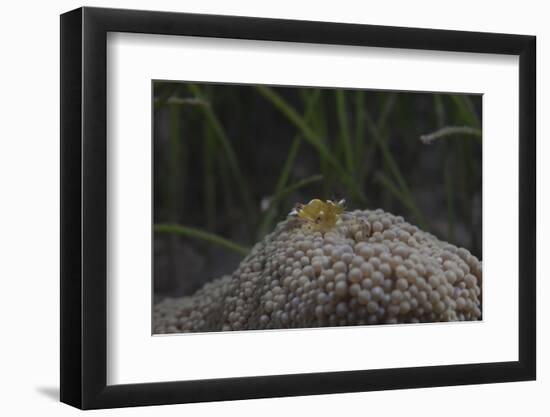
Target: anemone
{"x":371,"y":267}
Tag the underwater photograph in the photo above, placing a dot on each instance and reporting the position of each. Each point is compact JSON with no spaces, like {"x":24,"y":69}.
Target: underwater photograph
{"x":279,"y":207}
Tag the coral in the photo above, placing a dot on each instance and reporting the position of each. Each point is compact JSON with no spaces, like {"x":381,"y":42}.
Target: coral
{"x":371,"y":268}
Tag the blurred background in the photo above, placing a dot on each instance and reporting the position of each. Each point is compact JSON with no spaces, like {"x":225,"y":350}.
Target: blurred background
{"x":230,"y":161}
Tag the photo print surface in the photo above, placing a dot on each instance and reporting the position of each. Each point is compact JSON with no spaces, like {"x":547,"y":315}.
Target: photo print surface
{"x":302,"y":207}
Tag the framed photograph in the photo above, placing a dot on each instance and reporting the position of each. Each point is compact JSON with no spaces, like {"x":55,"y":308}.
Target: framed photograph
{"x":257,"y":208}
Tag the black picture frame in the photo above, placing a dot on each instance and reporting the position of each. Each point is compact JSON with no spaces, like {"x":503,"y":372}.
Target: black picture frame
{"x":84,"y":207}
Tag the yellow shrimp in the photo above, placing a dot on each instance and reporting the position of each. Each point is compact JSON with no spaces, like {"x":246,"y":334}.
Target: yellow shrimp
{"x":320,"y":215}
